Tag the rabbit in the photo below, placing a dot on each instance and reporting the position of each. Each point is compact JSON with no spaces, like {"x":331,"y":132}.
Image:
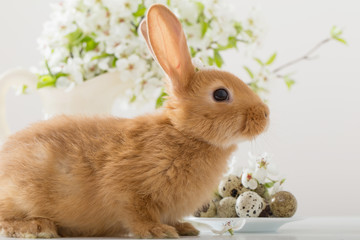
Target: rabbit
{"x":82,"y":176}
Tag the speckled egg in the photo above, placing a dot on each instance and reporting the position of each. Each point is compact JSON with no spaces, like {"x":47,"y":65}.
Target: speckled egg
{"x":283,"y":204}
{"x":260,"y":190}
{"x":249,"y":204}
{"x":206,"y":210}
{"x":266,"y":212}
{"x":231,"y":187}
{"x":216,"y":199}
{"x":226,"y":208}
{"x":263,"y":192}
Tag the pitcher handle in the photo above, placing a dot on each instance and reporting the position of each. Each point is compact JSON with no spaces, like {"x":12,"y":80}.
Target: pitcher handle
{"x":14,"y":77}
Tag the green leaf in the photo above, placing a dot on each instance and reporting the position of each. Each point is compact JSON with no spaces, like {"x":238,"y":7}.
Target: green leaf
{"x":74,"y":38}
{"x":200,"y":7}
{"x":340,"y":40}
{"x":231,"y":231}
{"x":211,"y":61}
{"x":269,"y":184}
{"x":168,"y":2}
{"x":161,"y":99}
{"x":288,"y":81}
{"x":134,"y":30}
{"x":254,"y":87}
{"x":259,"y":61}
{"x":238,"y":27}
{"x":45,"y":81}
{"x":232,"y":43}
{"x":282,"y":181}
{"x":218,"y":59}
{"x":60,"y":74}
{"x":192,"y":52}
{"x":266,"y":194}
{"x":140,"y":11}
{"x":335,"y":32}
{"x":261,"y":89}
{"x":187,"y":22}
{"x":271,"y":59}
{"x":90,"y":43}
{"x":249,"y":33}
{"x":203,"y":23}
{"x":24,"y":89}
{"x":133,"y":98}
{"x":204,"y":28}
{"x":103,"y":55}
{"x":251,"y":74}
{"x":113,"y":62}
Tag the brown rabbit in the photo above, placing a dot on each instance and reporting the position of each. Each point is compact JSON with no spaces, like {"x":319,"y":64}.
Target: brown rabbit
{"x":107,"y":176}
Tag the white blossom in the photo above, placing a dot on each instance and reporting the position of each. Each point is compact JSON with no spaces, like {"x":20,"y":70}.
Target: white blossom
{"x":187,"y":10}
{"x":262,"y":165}
{"x":276,"y":188}
{"x":262,"y":170}
{"x":85,"y":38}
{"x":133,"y":67}
{"x":260,"y":174}
{"x":248,"y":180}
{"x":65,"y":83}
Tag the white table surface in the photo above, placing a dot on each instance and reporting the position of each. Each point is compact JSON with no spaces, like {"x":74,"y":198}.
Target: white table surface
{"x":318,"y":228}
{"x":329,"y":228}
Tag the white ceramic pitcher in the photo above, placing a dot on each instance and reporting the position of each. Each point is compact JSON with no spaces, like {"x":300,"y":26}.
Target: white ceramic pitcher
{"x":94,"y":96}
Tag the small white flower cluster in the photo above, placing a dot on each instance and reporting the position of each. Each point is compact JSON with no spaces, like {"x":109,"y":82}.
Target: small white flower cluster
{"x":261,"y":170}
{"x":86,"y":38}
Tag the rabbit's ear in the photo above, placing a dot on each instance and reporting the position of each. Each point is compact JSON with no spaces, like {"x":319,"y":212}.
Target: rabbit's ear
{"x":167,"y":40}
{"x":144,"y":32}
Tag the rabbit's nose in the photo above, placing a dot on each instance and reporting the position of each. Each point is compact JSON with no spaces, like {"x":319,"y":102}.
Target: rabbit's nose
{"x":257,"y":118}
{"x":266,"y":112}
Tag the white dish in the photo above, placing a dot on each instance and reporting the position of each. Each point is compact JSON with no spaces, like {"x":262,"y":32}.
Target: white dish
{"x":222,"y":225}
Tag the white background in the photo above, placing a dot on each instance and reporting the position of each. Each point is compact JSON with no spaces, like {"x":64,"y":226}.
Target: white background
{"x":314,"y":133}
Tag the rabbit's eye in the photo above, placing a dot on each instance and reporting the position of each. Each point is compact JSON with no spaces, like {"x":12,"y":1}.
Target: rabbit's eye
{"x":221,"y":95}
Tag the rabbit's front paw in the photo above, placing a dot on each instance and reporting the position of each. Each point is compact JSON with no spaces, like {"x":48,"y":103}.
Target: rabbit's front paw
{"x":30,"y":228}
{"x":156,"y":231}
{"x":186,"y":229}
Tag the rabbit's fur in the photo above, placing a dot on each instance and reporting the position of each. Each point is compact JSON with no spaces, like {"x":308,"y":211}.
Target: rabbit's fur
{"x":106,"y":176}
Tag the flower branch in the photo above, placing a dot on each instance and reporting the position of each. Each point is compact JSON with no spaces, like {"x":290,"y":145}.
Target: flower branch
{"x":265,"y":73}
{"x":307,"y":56}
